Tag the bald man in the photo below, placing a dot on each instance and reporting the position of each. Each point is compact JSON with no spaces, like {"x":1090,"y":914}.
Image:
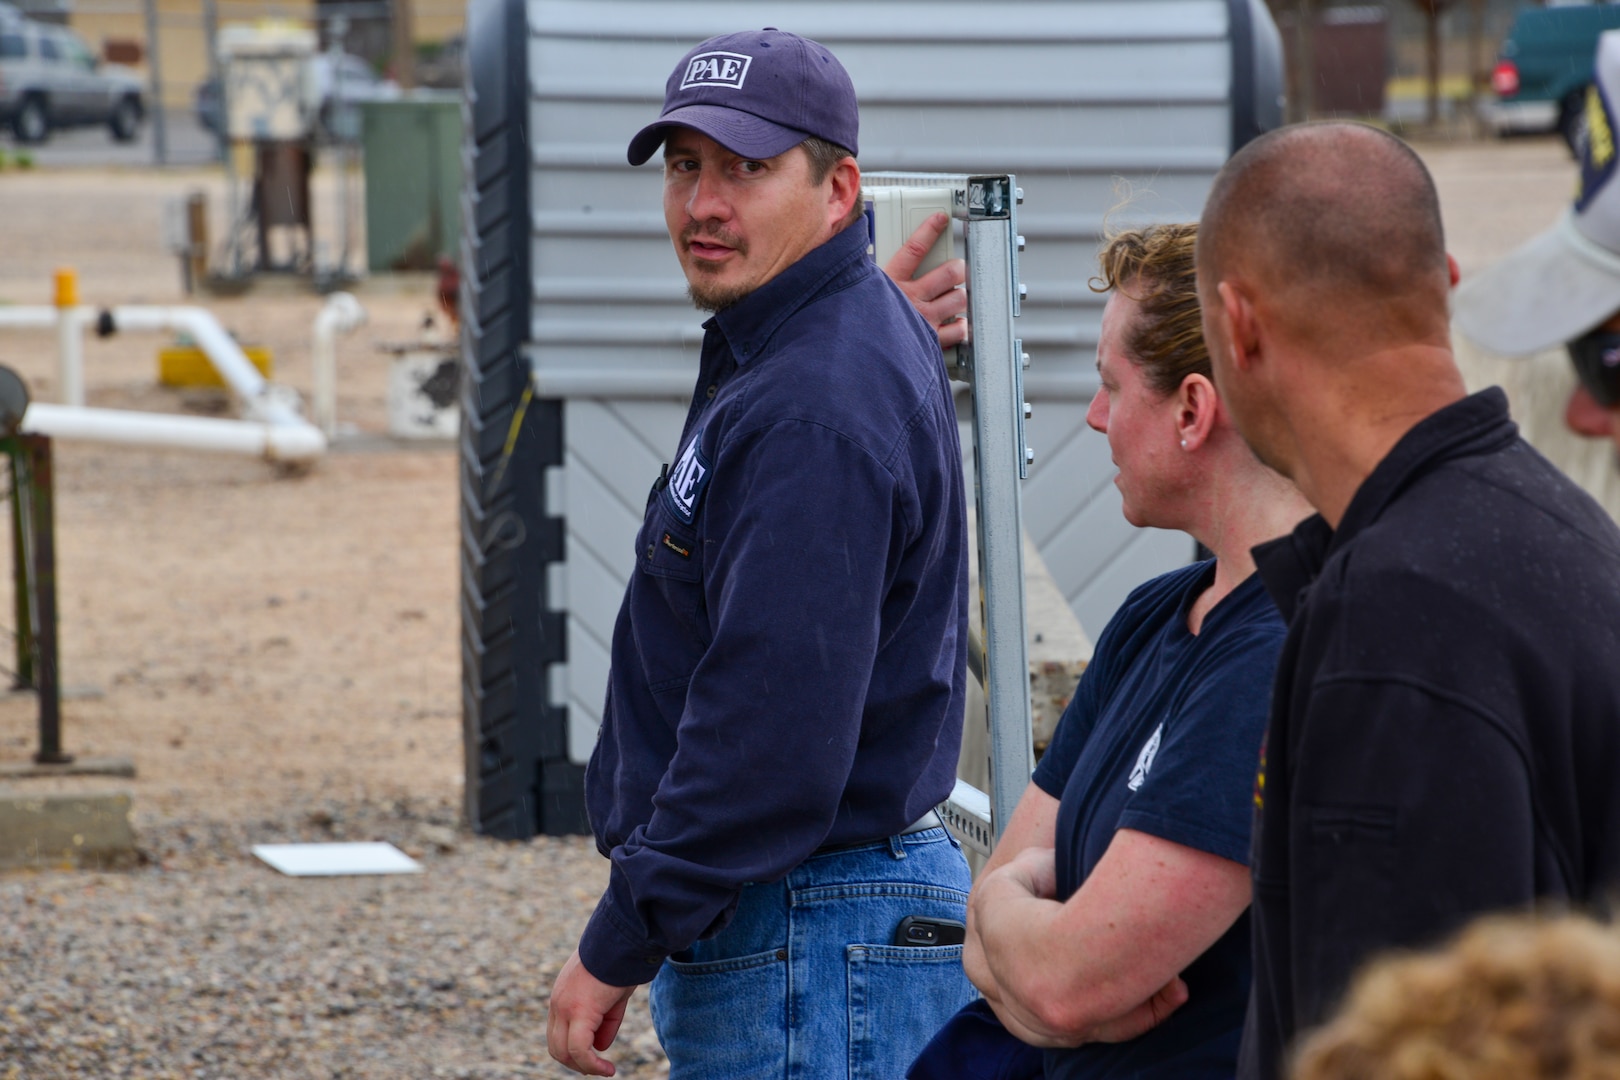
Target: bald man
{"x":1445,"y":729}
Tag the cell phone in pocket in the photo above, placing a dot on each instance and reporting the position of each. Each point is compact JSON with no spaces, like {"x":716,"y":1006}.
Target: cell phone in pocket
{"x":922,"y":931}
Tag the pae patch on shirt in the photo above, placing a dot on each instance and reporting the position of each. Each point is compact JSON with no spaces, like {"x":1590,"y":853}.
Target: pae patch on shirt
{"x":688,"y":479}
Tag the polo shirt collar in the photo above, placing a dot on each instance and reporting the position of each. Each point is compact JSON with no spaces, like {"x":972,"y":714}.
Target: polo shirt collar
{"x":1477,"y":424}
{"x":749,"y":323}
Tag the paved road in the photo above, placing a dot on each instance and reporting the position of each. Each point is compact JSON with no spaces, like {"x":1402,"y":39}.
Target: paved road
{"x":187,"y":144}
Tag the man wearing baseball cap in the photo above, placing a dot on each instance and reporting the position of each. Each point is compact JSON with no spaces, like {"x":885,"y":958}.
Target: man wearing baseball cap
{"x":1564,"y":286}
{"x":785,"y":699}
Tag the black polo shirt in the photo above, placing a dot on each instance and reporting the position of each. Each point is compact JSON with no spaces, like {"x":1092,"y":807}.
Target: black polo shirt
{"x":1445,"y":728}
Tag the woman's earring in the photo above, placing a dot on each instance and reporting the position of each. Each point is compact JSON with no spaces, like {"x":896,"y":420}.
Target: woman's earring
{"x":1184,"y":444}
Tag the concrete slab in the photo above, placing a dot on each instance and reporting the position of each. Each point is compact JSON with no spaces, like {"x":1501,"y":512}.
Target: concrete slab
{"x":85,"y":692}
{"x":84,"y":766}
{"x":89,"y":830}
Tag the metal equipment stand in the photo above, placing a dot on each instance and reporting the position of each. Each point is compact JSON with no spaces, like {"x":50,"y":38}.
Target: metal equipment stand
{"x":993,"y":365}
{"x":33,"y":537}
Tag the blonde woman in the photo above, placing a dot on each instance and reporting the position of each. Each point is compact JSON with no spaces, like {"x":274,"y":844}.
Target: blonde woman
{"x":1108,"y":932}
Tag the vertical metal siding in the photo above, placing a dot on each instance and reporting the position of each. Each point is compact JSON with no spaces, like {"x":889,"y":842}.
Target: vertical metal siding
{"x":1092,"y":104}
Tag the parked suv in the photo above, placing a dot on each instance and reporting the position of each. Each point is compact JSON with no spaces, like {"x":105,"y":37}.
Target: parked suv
{"x":50,"y":79}
{"x":1544,"y":68}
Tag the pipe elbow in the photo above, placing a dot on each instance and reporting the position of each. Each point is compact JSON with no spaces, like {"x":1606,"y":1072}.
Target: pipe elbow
{"x":290,"y":445}
{"x":342,"y":313}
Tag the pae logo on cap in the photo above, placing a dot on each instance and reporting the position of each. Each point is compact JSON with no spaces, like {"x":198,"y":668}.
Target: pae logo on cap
{"x":717,"y":69}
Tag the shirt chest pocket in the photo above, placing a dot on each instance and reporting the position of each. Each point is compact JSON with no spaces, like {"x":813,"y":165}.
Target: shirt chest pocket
{"x":671,"y":612}
{"x":667,"y":549}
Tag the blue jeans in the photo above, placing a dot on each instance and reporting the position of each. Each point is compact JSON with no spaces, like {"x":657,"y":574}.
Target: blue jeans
{"x":804,"y":982}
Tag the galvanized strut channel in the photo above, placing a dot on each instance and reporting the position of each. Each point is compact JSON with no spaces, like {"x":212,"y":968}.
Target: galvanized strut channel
{"x":993,"y":365}
{"x":1000,"y":462}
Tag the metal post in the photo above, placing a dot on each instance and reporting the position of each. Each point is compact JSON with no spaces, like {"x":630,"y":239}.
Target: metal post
{"x":20,"y":577}
{"x":42,"y":505}
{"x":994,"y":365}
{"x":1000,"y":461}
{"x":160,"y":141}
{"x":337,"y":34}
{"x":210,"y":14}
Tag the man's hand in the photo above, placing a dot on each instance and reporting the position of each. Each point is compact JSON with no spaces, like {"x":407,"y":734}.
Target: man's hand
{"x":938,"y":294}
{"x":584,"y":1018}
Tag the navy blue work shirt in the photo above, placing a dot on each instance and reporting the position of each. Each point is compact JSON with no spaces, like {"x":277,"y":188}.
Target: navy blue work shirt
{"x":788,"y":663}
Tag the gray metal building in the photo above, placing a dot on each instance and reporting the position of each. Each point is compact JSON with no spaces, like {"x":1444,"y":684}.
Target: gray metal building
{"x":582,"y":348}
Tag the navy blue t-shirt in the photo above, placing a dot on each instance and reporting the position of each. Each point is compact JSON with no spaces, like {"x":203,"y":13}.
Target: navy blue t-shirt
{"x":1163,"y":736}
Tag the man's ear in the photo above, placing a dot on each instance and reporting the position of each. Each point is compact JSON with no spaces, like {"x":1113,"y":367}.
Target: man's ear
{"x":844,"y":192}
{"x":1242,"y":325}
{"x":1452,"y":269}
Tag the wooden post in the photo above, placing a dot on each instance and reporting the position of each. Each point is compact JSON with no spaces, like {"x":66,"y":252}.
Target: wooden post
{"x":1305,"y":58}
{"x":196,"y":240}
{"x":404,"y":43}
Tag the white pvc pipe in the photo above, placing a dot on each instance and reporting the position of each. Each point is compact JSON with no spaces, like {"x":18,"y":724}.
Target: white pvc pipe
{"x":273,"y":441}
{"x":70,"y":355}
{"x":222,"y":350}
{"x":273,"y":427}
{"x":341,"y":313}
{"x":27,"y":315}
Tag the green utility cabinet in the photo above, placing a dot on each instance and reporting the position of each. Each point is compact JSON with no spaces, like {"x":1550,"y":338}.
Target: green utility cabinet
{"x":413,"y":180}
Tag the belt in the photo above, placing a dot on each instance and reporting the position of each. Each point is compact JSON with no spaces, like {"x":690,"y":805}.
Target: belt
{"x":928,"y":821}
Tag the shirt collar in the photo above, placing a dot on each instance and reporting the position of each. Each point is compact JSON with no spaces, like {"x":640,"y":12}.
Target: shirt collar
{"x":1477,"y":424}
{"x":749,"y":323}
{"x":1288,"y":564}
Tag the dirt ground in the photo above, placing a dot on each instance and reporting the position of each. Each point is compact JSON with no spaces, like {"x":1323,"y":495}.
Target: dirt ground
{"x":258,"y":639}
{"x":279,"y":657}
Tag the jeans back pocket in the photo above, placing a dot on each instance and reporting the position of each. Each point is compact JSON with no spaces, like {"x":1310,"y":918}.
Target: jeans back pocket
{"x":705,"y":1015}
{"x":898,"y":998}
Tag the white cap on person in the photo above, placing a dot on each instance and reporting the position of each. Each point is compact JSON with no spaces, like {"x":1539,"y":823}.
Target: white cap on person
{"x":1567,"y":280}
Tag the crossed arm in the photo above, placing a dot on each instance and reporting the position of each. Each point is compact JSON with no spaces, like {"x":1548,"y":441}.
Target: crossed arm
{"x":1103,"y":966}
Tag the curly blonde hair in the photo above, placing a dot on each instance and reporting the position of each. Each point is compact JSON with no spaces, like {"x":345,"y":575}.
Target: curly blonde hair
{"x":1512,"y":998}
{"x":1156,"y":267}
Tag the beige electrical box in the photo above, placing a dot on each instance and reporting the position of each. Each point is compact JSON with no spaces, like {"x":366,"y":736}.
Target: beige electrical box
{"x":266,"y":81}
{"x":893,"y":214}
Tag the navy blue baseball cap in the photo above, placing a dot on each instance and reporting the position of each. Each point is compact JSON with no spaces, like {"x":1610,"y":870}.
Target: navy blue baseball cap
{"x":758,"y":93}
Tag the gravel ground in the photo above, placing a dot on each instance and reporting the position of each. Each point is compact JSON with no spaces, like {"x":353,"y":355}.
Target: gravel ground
{"x":279,"y":656}
{"x":206,"y":963}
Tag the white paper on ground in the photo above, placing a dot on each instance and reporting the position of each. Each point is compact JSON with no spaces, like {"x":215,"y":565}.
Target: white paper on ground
{"x":332,"y":860}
